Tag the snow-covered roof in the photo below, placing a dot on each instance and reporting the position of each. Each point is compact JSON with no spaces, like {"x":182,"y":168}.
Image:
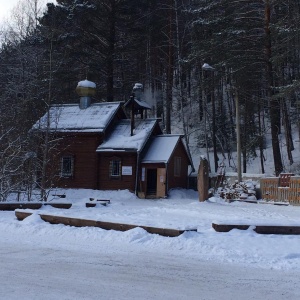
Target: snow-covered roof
{"x":86,"y":83}
{"x":161,"y":148}
{"x":121,"y":140}
{"x":69,"y":117}
{"x":139,"y":103}
{"x":143,"y":104}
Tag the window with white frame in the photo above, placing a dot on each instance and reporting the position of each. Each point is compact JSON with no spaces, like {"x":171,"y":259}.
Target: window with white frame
{"x":67,"y":166}
{"x":115,"y":168}
{"x":177,"y":166}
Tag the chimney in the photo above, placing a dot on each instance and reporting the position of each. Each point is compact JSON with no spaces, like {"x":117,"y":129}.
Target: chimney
{"x":85,"y":89}
{"x":138,"y":91}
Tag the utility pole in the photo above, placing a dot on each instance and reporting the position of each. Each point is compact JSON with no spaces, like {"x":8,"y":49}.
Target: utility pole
{"x":204,"y":99}
{"x":214,"y":134}
{"x":207,"y":67}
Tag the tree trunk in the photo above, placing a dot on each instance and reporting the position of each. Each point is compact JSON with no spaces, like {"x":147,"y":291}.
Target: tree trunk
{"x":169,"y":72}
{"x":45,"y":149}
{"x":287,"y":129}
{"x":110,"y":54}
{"x":261,"y":142}
{"x":274,"y":105}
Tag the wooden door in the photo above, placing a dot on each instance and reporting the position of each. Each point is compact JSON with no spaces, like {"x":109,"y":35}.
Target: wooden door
{"x":151,"y":182}
{"x":161,"y":183}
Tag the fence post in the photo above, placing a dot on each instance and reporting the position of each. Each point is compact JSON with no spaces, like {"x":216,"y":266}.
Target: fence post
{"x":203,"y":180}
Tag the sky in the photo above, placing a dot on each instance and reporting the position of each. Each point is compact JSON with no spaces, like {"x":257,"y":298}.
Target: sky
{"x":7,"y":5}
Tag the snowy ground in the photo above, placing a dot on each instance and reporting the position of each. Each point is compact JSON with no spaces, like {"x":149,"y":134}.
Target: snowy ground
{"x":64,"y":262}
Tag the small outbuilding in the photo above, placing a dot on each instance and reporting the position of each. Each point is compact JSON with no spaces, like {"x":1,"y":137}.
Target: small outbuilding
{"x":164,"y":166}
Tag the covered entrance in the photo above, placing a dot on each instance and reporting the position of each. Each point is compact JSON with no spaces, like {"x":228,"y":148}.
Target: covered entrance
{"x":151,"y":182}
{"x":156,"y":183}
{"x":164,"y":166}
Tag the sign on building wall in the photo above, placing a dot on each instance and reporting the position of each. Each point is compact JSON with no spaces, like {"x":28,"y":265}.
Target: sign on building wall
{"x":126,"y":170}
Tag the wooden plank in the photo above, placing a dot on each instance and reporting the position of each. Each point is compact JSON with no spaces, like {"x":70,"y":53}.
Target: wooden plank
{"x":227,"y":227}
{"x":90,"y":204}
{"x":59,"y":195}
{"x":100,"y":224}
{"x":59,"y":205}
{"x":261,"y":229}
{"x":21,"y":215}
{"x":242,"y":200}
{"x":103,"y":200}
{"x":94,"y":204}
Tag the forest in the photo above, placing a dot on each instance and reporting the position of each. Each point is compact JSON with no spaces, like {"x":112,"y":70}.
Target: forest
{"x":207,"y":67}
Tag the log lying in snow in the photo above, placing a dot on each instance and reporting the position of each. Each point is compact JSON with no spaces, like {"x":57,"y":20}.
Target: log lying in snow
{"x":59,"y":205}
{"x":262,"y":229}
{"x":21,"y":215}
{"x":9,"y":206}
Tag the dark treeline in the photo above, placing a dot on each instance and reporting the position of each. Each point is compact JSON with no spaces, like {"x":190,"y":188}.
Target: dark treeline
{"x":250,"y":50}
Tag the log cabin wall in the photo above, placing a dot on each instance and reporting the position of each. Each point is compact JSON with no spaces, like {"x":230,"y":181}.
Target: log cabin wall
{"x":82,"y":147}
{"x":181,"y":180}
{"x":126,"y":180}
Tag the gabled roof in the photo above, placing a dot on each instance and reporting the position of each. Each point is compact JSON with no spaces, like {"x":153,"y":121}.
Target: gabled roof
{"x":70,"y":118}
{"x":138,"y":104}
{"x":162,"y":148}
{"x":121,"y":140}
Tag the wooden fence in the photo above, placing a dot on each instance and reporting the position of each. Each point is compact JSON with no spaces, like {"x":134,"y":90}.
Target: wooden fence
{"x":285,"y":188}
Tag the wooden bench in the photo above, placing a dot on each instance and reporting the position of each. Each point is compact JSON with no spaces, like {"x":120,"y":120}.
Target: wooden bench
{"x":93,"y":203}
{"x":59,"y":195}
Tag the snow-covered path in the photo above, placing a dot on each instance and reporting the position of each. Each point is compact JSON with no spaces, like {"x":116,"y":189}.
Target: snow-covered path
{"x":56,"y":273}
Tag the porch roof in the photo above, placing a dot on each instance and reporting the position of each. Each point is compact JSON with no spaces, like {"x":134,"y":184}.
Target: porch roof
{"x":161,"y":148}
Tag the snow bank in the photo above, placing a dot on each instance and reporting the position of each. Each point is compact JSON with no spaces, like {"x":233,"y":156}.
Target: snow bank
{"x":181,"y":210}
